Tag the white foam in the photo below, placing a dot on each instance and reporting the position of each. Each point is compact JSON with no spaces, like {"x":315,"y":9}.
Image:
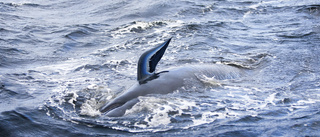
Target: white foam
{"x":158,"y":110}
{"x":159,"y":117}
{"x":89,"y":108}
{"x":207,"y":117}
{"x":271,"y":99}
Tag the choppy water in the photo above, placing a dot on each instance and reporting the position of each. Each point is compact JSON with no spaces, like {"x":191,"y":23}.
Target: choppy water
{"x":61,"y":60}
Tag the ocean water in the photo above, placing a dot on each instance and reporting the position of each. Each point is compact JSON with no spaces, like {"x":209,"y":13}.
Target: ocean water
{"x":61,"y":60}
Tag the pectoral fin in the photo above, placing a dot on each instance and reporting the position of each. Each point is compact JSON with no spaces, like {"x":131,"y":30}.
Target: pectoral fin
{"x":149,"y":60}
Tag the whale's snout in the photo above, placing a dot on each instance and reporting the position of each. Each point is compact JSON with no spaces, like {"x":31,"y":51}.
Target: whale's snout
{"x":110,"y":106}
{"x":118,"y":109}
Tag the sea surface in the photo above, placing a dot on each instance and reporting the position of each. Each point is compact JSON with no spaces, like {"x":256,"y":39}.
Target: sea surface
{"x":60,"y":60}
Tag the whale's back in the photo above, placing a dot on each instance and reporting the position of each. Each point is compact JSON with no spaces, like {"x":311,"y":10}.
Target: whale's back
{"x":216,"y":71}
{"x":219,"y":71}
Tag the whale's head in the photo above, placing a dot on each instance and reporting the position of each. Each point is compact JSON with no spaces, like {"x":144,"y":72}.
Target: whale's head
{"x":117,"y":109}
{"x":118,"y":106}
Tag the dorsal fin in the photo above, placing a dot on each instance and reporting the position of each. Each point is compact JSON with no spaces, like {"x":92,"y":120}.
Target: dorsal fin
{"x":148,"y":61}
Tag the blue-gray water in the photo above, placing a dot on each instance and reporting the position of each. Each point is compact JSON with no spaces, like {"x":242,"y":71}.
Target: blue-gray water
{"x":61,"y":60}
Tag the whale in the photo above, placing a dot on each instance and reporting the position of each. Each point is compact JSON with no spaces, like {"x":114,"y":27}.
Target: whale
{"x":163,"y":82}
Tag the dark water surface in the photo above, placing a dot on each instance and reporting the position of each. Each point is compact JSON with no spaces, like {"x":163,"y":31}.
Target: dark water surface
{"x":61,"y":60}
